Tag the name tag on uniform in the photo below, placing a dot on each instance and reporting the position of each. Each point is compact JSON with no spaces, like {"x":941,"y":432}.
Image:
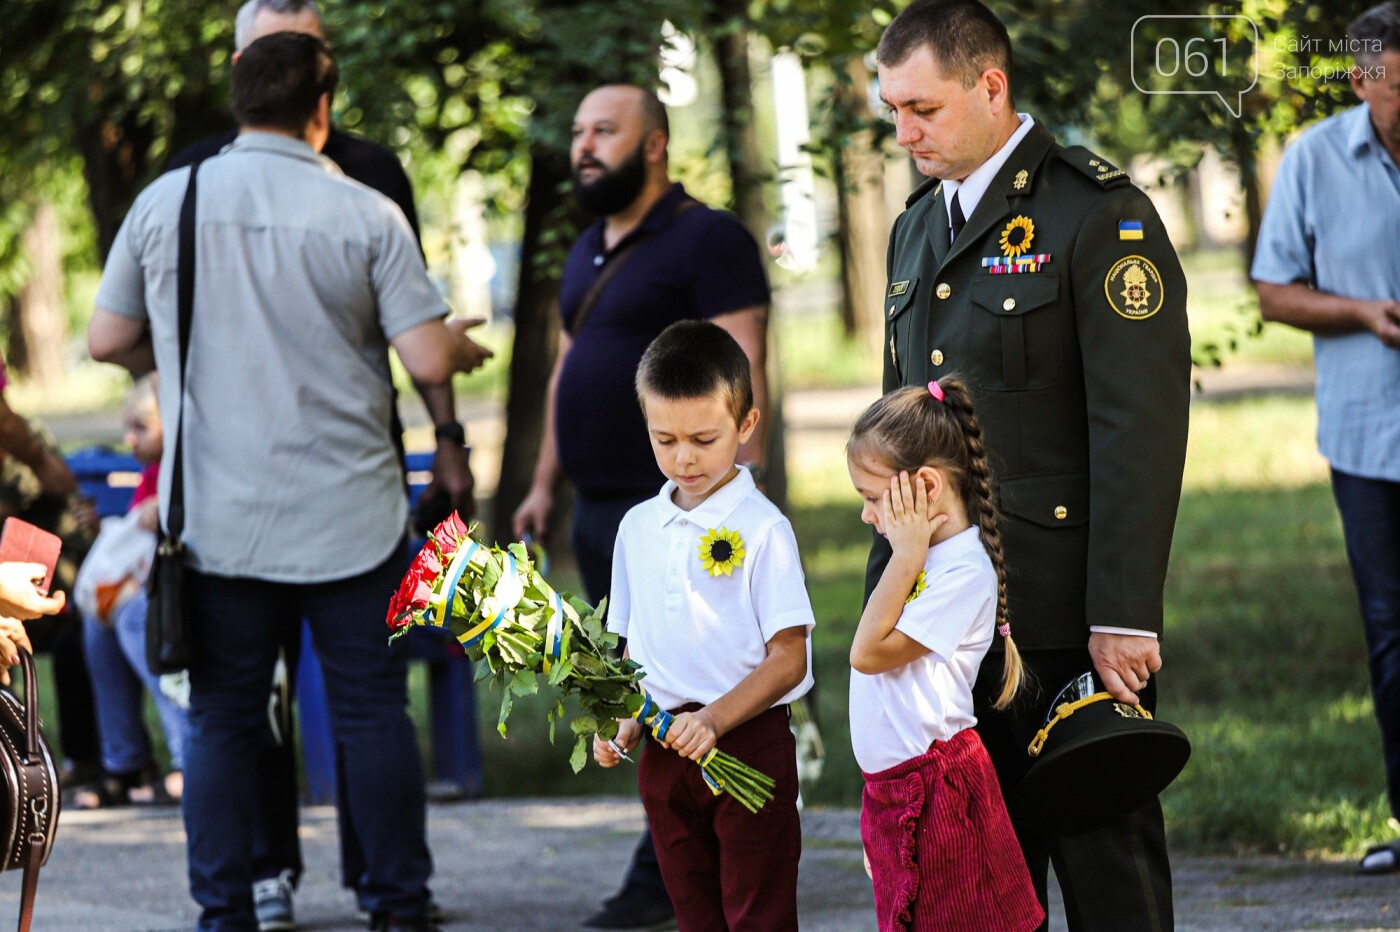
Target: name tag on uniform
{"x":897,"y":289}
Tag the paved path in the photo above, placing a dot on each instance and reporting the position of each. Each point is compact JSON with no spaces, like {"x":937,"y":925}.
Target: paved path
{"x":525,"y":865}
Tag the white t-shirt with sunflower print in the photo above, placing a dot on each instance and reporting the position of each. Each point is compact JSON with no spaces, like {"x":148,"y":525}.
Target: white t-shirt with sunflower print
{"x":896,"y":715}
{"x":698,"y":594}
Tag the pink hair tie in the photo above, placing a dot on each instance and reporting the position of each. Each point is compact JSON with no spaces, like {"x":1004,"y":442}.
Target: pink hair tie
{"x":1004,"y":630}
{"x":935,"y":390}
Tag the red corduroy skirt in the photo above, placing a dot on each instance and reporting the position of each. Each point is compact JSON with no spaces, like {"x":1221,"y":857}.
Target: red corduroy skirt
{"x":941,"y":847}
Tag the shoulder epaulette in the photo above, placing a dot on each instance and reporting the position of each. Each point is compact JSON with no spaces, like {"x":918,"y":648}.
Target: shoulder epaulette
{"x":931,"y":185}
{"x":1096,"y":167}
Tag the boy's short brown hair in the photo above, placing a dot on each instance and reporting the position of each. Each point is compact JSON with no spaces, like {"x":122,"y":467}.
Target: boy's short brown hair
{"x":696,"y":359}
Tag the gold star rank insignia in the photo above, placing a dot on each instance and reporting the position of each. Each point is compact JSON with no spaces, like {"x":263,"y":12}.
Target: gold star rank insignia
{"x":1133,"y":288}
{"x":1022,"y":178}
{"x":1017,"y":237}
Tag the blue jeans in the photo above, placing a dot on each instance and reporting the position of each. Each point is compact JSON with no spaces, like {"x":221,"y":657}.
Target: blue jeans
{"x":116,"y":659}
{"x":238,"y":625}
{"x":1370,"y":510}
{"x":594,"y":531}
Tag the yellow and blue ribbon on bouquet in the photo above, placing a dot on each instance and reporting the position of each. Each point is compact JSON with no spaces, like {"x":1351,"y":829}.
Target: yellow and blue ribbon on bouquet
{"x":472,"y":635}
{"x":659,"y":721}
{"x":554,"y":633}
{"x":440,"y":605}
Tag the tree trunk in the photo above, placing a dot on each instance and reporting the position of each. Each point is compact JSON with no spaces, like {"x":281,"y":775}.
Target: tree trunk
{"x":39,"y":333}
{"x":863,"y":227}
{"x":745,"y":161}
{"x":536,"y":342}
{"x":116,"y":158}
{"x":1242,"y":149}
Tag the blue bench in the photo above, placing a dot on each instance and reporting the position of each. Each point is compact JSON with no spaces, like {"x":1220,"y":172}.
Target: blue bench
{"x":109,"y":478}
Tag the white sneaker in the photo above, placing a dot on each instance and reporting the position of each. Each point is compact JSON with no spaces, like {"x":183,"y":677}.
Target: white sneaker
{"x":272,"y":903}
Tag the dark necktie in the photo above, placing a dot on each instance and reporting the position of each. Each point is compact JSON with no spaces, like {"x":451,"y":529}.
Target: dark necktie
{"x":959,"y":221}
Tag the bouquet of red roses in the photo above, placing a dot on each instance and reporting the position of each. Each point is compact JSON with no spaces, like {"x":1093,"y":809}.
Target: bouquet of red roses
{"x":495,"y":602}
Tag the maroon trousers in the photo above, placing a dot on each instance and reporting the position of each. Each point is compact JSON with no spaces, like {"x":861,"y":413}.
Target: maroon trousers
{"x":942,"y":851}
{"x":727,"y":869}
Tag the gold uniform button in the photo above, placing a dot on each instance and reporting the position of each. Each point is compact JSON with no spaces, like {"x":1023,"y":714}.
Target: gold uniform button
{"x":1061,"y":512}
{"x":936,"y":357}
{"x":1009,"y":304}
{"x":943,"y":291}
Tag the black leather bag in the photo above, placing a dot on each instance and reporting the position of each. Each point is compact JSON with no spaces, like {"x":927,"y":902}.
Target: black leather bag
{"x":29,"y":799}
{"x":167,"y":610}
{"x":168,"y":642}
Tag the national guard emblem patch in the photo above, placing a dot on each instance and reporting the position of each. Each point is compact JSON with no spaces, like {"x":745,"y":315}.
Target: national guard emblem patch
{"x":1133,"y":288}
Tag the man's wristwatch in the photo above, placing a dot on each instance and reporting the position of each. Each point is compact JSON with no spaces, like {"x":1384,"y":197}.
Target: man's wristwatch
{"x":451,"y":432}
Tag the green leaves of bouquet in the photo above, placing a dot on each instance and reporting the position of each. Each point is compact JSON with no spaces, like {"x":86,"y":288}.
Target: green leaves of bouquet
{"x":496,"y":604}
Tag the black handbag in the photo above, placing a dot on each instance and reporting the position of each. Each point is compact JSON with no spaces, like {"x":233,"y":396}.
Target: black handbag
{"x":29,"y":797}
{"x":168,"y":644}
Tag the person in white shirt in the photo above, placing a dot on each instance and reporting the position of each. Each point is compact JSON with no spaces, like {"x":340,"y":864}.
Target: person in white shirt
{"x":708,"y":591}
{"x":938,"y":841}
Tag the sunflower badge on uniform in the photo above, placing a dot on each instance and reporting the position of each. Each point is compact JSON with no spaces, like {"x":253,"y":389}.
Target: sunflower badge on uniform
{"x":721,"y":551}
{"x":1017,"y":237}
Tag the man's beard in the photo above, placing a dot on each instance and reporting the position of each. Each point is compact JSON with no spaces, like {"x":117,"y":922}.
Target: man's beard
{"x":614,"y":188}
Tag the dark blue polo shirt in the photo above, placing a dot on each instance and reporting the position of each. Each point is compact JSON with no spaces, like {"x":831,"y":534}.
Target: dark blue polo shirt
{"x":694,"y":265}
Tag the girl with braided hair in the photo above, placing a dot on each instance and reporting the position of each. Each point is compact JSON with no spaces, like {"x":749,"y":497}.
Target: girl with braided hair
{"x":939,"y":844}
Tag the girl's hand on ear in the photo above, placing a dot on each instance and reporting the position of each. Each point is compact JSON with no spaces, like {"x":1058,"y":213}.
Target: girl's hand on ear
{"x":908,"y":517}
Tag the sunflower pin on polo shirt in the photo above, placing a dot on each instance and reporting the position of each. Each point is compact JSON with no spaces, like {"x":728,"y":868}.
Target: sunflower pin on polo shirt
{"x":721,"y":551}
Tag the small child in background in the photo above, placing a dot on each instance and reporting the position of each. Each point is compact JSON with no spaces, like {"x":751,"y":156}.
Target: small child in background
{"x":111,"y":592}
{"x":939,"y":844}
{"x":708,"y":591}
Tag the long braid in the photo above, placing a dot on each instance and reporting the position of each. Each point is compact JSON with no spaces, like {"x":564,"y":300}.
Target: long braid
{"x":978,"y":493}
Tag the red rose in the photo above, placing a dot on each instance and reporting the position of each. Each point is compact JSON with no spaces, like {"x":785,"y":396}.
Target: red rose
{"x":415,"y":588}
{"x":449,"y":535}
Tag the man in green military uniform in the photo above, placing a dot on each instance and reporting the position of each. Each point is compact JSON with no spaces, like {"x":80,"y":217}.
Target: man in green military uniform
{"x":1046,"y":280}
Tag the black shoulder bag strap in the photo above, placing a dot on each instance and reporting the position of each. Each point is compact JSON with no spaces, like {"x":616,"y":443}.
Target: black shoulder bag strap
{"x":595,"y":291}
{"x":175,"y":514}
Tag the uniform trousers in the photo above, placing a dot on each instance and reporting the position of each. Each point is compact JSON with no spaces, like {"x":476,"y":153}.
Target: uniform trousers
{"x":1114,"y":878}
{"x":727,"y":868}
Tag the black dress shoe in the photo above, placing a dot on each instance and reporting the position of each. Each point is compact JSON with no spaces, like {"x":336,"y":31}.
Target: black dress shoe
{"x":633,"y":910}
{"x":388,"y":922}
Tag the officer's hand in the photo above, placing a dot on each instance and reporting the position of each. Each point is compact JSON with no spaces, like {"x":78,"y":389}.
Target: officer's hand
{"x":467,"y":354}
{"x":1125,"y":662}
{"x":1383,"y":319}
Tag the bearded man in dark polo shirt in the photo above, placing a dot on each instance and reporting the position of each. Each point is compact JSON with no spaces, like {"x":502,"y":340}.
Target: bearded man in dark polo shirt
{"x":656,"y":256}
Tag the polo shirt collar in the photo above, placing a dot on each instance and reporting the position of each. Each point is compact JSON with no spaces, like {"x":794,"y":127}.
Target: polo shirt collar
{"x":713,"y":511}
{"x":278,"y":144}
{"x":656,"y":219}
{"x":1360,"y":134}
{"x":954,"y":548}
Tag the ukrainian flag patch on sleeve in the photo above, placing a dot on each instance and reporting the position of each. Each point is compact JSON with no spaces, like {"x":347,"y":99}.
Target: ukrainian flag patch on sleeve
{"x":1129,"y":229}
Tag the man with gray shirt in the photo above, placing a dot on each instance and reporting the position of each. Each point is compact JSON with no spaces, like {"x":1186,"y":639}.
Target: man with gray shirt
{"x":293,"y":495}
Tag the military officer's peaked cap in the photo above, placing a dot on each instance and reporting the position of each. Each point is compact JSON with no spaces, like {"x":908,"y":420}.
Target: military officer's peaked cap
{"x":1096,"y":761}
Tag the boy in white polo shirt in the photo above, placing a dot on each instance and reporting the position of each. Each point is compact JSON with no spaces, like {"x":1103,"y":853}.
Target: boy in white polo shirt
{"x":708,"y":591}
